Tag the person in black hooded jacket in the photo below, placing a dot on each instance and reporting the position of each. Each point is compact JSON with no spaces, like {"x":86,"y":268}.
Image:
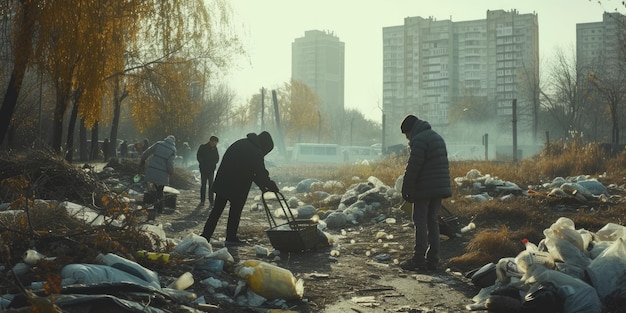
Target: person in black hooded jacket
{"x":207,"y":157}
{"x":425,"y":183}
{"x":242,"y":163}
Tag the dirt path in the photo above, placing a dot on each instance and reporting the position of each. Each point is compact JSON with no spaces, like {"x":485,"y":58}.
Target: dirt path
{"x":352,"y":281}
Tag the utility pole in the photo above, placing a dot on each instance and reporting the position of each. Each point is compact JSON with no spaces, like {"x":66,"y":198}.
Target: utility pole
{"x":514,"y":113}
{"x":279,"y":129}
{"x":319,"y":126}
{"x":351,"y":126}
{"x":383,"y":146}
{"x":486,"y":144}
{"x":262,"y":108}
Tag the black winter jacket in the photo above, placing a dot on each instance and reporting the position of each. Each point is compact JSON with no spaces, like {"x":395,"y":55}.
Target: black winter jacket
{"x":427,"y":173}
{"x":207,"y":157}
{"x":242,"y":163}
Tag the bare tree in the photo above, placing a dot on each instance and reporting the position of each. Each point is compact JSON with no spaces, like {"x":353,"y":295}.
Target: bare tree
{"x":530,"y":86}
{"x":214,"y":112}
{"x":610,"y":85}
{"x":562,"y":97}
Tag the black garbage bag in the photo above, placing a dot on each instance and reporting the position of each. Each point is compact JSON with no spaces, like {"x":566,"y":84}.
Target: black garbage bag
{"x":615,"y":302}
{"x":545,"y":299}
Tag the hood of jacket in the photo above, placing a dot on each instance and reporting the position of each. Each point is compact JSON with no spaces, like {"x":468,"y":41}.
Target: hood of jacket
{"x":170,"y":139}
{"x":419,"y":126}
{"x":263,"y":141}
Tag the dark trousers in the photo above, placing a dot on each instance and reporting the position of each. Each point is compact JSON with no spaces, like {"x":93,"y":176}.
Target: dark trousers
{"x":426,"y":220}
{"x":206,"y":176}
{"x":234,"y":215}
{"x":158,"y":198}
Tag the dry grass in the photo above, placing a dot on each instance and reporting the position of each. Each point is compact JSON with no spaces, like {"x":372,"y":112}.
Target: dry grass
{"x":487,"y":246}
{"x":557,"y":160}
{"x":501,"y":225}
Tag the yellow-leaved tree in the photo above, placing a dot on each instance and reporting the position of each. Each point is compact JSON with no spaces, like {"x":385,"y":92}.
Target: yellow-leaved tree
{"x":79,"y":45}
{"x":301,"y":113}
{"x":166,"y":98}
{"x":82,"y":44}
{"x":297,"y":109}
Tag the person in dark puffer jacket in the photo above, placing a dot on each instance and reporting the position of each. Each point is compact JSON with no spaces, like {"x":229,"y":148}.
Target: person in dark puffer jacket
{"x":242,"y":164}
{"x":426,"y":182}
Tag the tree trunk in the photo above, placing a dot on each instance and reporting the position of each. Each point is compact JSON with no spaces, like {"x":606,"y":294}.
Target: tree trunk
{"x":118,"y":97}
{"x":9,"y":103}
{"x":23,"y":43}
{"x":95,"y":145}
{"x":82,"y":142}
{"x":57,"y":123}
{"x":615,"y":131}
{"x":69,"y":155}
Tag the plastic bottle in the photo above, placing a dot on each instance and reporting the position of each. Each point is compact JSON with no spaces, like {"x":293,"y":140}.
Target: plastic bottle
{"x":270,"y":281}
{"x":133,"y":268}
{"x":527,"y":258}
{"x":261,"y":251}
{"x":468,"y":227}
{"x":529,"y":245}
{"x":183,"y":282}
{"x":211,"y":265}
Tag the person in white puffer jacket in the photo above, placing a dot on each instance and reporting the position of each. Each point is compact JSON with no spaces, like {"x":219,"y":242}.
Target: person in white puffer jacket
{"x":160,"y":166}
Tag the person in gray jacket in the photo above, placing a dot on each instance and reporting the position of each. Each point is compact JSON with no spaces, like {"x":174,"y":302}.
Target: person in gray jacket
{"x":160,"y":156}
{"x":426,"y":182}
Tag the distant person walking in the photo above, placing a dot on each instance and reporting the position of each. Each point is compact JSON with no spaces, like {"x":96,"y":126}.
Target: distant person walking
{"x":138,"y":148}
{"x":426,"y":182}
{"x":207,"y":157}
{"x":160,"y":167}
{"x":106,"y":149}
{"x":242,"y":164}
{"x":185,"y":153}
{"x":124,"y":149}
{"x":145,"y":144}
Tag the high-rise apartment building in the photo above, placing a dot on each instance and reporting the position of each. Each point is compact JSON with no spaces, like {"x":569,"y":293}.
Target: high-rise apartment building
{"x":317,"y":60}
{"x":600,"y":45}
{"x":430,"y":66}
{"x":601,"y":75}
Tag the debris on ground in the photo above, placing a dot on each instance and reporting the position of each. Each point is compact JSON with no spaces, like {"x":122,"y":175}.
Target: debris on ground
{"x":570,"y":270}
{"x":74,"y":236}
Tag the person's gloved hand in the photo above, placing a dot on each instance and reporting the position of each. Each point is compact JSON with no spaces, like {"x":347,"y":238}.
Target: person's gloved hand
{"x":141,"y":166}
{"x":271,"y":186}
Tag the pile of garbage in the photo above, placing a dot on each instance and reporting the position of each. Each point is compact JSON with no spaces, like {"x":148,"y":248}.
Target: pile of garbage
{"x":373,"y":201}
{"x":581,"y":188}
{"x":364,"y":202}
{"x":102,"y":251}
{"x":124,"y":285}
{"x":143,"y":270}
{"x":570,"y":270}
{"x":107,"y":254}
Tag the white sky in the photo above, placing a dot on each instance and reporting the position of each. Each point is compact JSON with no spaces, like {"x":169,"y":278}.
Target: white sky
{"x":268,"y":27}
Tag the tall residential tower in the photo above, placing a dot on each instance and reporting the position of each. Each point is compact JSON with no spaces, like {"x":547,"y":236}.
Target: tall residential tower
{"x":317,"y":60}
{"x":440,"y":70}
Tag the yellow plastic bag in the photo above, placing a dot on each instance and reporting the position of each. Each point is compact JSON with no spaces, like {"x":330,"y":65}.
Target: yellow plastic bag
{"x":271,"y":281}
